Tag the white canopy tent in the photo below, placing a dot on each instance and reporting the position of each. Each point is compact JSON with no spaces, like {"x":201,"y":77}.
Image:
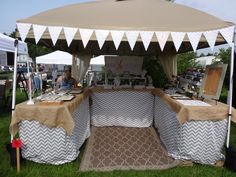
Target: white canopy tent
{"x":206,"y":60}
{"x":99,"y":60}
{"x":24,"y":59}
{"x":7,"y":44}
{"x":145,"y":27}
{"x":57,"y":57}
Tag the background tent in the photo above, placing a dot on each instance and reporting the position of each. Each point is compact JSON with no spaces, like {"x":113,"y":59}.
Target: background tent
{"x":97,"y":63}
{"x":57,"y":57}
{"x":7,"y":44}
{"x":99,"y":60}
{"x":206,"y":60}
{"x":24,"y":59}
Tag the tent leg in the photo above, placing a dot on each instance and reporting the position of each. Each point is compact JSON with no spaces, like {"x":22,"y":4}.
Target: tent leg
{"x":14,"y":81}
{"x":230,"y":93}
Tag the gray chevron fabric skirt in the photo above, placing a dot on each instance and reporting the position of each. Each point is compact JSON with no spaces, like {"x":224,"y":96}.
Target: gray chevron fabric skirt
{"x":199,"y":141}
{"x":52,"y":145}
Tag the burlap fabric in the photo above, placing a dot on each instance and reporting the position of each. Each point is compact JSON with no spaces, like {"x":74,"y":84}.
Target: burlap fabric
{"x":217,"y":111}
{"x":51,"y":115}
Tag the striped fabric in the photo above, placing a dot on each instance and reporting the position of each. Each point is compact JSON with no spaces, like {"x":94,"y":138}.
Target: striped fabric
{"x":52,"y":145}
{"x":199,"y":141}
{"x":122,"y":108}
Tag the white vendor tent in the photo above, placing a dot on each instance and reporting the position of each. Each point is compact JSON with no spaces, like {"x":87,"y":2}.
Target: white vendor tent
{"x":96,"y":63}
{"x":24,"y":59}
{"x":57,"y":57}
{"x":7,"y":44}
{"x":206,"y":60}
{"x":129,"y":27}
{"x":99,"y":60}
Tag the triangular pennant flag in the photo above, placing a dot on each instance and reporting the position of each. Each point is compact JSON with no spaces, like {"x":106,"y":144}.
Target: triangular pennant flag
{"x":162,"y":37}
{"x":211,"y":38}
{"x":177,"y":38}
{"x":101,"y":36}
{"x":54,"y":32}
{"x":23,"y":29}
{"x":70,"y":34}
{"x":194,"y":38}
{"x":146,"y":37}
{"x":228,"y":34}
{"x":132,"y":37}
{"x":117,"y":37}
{"x":38,"y":32}
{"x":85,"y":35}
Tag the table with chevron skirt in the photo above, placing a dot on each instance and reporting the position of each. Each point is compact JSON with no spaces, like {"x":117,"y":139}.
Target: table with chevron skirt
{"x":191,"y":129}
{"x":53,"y":143}
{"x":54,"y":134}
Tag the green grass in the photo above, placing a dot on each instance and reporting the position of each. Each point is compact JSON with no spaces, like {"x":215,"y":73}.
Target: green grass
{"x":7,"y":74}
{"x":31,"y":169}
{"x":224,"y":94}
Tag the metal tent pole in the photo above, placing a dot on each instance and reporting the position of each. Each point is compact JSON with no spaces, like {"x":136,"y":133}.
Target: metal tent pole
{"x":14,"y":80}
{"x":230,"y":92}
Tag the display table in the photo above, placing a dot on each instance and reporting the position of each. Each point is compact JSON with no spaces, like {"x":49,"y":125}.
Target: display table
{"x":194,"y":133}
{"x":53,"y":133}
{"x":184,"y":113}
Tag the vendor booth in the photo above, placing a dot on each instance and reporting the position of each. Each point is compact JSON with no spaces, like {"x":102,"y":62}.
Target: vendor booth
{"x":55,"y":60}
{"x":57,"y":57}
{"x":53,"y":130}
{"x":7,"y":44}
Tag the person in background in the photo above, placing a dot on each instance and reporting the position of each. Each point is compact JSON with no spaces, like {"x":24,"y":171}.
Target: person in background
{"x":66,"y":81}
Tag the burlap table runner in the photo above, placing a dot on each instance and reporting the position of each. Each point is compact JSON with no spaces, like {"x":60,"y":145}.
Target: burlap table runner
{"x":185,"y":113}
{"x":61,"y":115}
{"x":51,"y":115}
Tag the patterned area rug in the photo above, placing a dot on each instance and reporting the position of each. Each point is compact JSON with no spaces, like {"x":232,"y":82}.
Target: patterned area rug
{"x":116,"y":148}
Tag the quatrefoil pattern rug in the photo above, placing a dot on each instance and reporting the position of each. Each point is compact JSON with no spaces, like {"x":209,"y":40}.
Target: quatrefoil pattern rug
{"x":122,"y":148}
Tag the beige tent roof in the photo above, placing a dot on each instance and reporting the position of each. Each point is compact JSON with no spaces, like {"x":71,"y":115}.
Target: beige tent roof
{"x":128,"y":15}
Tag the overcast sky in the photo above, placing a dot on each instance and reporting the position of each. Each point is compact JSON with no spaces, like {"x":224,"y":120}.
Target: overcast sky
{"x":223,"y":9}
{"x":12,"y":10}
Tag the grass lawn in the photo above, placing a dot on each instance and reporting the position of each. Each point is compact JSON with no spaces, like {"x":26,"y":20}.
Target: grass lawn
{"x":8,"y":75}
{"x":31,"y":169}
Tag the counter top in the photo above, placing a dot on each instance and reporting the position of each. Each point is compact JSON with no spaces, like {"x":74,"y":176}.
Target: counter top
{"x":215,"y":111}
{"x":51,"y":115}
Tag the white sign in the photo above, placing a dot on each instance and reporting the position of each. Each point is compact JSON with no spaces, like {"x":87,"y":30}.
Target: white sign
{"x":124,"y":64}
{"x":3,"y":58}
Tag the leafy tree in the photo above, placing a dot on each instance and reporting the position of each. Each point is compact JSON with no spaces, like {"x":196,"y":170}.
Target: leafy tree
{"x":186,"y":60}
{"x":224,"y":57}
{"x":154,"y":69}
{"x":33,"y":49}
